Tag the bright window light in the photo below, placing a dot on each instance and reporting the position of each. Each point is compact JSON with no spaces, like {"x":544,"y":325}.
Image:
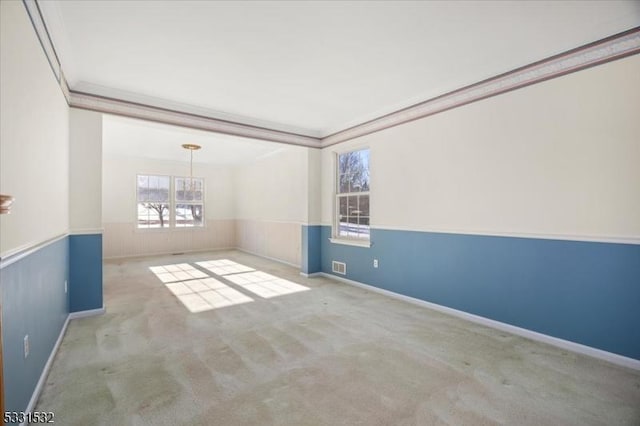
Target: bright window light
{"x":199,"y":292}
{"x":224,"y":267}
{"x":177,"y":272}
{"x":204,"y":295}
{"x":265,"y":285}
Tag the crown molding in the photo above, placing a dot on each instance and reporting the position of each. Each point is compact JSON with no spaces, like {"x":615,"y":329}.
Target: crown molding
{"x":166,"y":104}
{"x":185,"y":119}
{"x":104,"y":104}
{"x":608,"y":49}
{"x":40,"y":27}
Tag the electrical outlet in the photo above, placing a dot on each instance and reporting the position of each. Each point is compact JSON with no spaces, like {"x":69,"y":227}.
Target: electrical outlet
{"x":65,"y":286}
{"x":375,"y":263}
{"x":26,"y":345}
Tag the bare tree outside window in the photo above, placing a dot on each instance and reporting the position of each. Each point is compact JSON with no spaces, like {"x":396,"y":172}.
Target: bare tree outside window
{"x":161,"y":209}
{"x":353,"y":171}
{"x":352,"y":195}
{"x":158,"y":206}
{"x":189,"y":196}
{"x":153,"y":201}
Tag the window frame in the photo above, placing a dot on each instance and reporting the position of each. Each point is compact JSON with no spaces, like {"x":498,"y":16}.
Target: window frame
{"x":188,"y":203}
{"x":137,"y":203}
{"x":335,"y":231}
{"x":172,"y":202}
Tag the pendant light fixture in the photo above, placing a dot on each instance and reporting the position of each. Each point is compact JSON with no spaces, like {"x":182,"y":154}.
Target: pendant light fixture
{"x":191,"y":147}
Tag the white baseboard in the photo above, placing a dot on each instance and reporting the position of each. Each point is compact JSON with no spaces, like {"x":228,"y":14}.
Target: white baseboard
{"x":523,"y":332}
{"x":284,"y":262}
{"x":45,"y":371}
{"x":88,"y":313}
{"x":167,"y":253}
{"x":311,"y":275}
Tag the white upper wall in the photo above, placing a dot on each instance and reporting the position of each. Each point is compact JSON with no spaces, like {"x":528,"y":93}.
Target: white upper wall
{"x":274,"y":187}
{"x":34,"y":135}
{"x":245,"y":178}
{"x":556,"y":158}
{"x":85,"y":170}
{"x":314,"y":187}
{"x":119,"y":188}
{"x":131,"y":137}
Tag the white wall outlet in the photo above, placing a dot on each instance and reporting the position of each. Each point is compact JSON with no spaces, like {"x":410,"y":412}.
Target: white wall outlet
{"x":26,"y":345}
{"x":65,"y":286}
{"x":375,"y":263}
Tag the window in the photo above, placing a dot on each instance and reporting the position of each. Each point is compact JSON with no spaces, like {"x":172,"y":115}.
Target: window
{"x":189,"y":201}
{"x":352,"y":196}
{"x":159,"y":206}
{"x":153,"y":201}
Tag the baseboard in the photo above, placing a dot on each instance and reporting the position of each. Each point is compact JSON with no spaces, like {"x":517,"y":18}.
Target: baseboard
{"x":311,"y":275}
{"x":88,"y":313}
{"x":168,"y":253}
{"x":45,"y":371}
{"x":284,"y":262}
{"x":140,"y":256}
{"x":523,"y":332}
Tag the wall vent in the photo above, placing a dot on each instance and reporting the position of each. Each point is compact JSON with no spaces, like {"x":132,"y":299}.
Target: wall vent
{"x":339,"y":267}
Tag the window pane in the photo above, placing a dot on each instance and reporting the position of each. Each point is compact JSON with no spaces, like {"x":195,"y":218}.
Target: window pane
{"x":343,"y":217}
{"x":364,"y":177}
{"x":162,"y":193}
{"x":343,"y":185}
{"x":360,"y":181}
{"x":353,"y":171}
{"x":189,"y":215}
{"x":363,"y":205}
{"x":153,"y":182}
{"x":353,"y":216}
{"x":353,"y":209}
{"x":181,"y":189}
{"x":363,"y":216}
{"x":143,"y":188}
{"x":153,"y":215}
{"x":188,"y":189}
{"x":198,"y":189}
{"x":363,"y":227}
{"x":153,"y":188}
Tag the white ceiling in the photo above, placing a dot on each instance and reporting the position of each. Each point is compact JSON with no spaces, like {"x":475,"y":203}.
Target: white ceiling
{"x":311,"y":67}
{"x":145,"y":139}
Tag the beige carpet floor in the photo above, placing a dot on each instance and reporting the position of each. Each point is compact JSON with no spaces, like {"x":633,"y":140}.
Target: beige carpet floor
{"x":226,"y":338}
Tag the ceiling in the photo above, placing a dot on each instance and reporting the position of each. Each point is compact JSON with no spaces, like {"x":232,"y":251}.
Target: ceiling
{"x":312,"y":68}
{"x":128,"y":137}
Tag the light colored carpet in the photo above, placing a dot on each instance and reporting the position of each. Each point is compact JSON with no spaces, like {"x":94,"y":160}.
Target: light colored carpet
{"x":329,"y":355}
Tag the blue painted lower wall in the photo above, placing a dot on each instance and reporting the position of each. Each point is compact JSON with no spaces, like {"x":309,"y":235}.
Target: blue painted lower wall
{"x":311,"y":249}
{"x":33,"y":302}
{"x":85,"y":272}
{"x":584,"y":292}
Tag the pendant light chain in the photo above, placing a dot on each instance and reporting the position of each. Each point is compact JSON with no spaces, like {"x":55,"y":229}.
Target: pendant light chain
{"x":191,"y":147}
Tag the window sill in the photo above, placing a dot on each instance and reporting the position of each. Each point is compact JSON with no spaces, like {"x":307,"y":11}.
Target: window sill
{"x":355,"y":243}
{"x":170,"y":229}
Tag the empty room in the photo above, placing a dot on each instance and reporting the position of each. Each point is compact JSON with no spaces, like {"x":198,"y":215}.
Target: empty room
{"x":319,"y":212}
